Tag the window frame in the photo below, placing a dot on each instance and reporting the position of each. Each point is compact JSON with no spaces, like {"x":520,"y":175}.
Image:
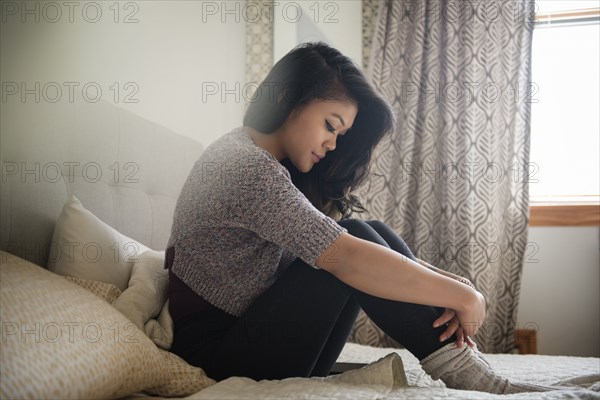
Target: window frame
{"x":543,"y":214}
{"x":554,"y":212}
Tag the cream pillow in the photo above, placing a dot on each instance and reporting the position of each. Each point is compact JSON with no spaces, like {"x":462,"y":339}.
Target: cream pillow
{"x":61,"y":341}
{"x":85,"y":247}
{"x":146,"y":296}
{"x":106,"y":291}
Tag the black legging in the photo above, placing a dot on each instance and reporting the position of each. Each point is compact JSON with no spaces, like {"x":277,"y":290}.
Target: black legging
{"x":299,"y":325}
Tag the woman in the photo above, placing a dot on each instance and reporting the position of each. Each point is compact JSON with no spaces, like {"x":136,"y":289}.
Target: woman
{"x":267,"y":270}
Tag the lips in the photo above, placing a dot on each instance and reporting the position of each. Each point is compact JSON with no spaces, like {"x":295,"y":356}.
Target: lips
{"x":316,"y":158}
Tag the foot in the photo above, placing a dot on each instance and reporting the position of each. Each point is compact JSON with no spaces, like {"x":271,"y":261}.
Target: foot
{"x":462,"y":368}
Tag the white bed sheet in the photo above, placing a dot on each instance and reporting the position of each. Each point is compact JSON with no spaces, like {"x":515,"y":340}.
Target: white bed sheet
{"x":396,"y":374}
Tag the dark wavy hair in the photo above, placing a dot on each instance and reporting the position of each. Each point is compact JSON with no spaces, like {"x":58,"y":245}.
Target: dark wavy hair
{"x":315,"y":71}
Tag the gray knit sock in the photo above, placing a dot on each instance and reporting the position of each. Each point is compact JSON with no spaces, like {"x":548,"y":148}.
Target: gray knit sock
{"x":479,"y":354}
{"x":462,"y":368}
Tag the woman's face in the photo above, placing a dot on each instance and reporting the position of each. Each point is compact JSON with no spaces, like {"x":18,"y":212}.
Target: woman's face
{"x":313,"y":131}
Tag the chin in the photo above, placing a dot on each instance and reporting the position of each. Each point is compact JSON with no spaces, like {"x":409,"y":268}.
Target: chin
{"x":304,"y":168}
{"x":308,"y":169}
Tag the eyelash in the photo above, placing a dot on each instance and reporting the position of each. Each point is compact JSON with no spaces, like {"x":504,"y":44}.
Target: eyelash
{"x":328,"y":125}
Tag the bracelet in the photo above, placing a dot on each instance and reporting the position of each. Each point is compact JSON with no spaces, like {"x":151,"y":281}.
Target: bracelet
{"x":466,"y":282}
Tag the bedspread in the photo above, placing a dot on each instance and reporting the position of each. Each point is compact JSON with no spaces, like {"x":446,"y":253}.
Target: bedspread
{"x":396,"y":374}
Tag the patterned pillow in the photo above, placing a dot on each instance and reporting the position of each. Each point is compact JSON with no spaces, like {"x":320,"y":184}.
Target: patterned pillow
{"x":106,"y":291}
{"x":61,"y":341}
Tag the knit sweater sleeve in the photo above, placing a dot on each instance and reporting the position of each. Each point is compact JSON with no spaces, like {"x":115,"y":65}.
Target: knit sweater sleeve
{"x":266,"y":202}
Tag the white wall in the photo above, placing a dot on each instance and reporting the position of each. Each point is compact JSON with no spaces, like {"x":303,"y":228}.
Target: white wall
{"x":173,"y":50}
{"x":337,"y":23}
{"x":560,"y":290}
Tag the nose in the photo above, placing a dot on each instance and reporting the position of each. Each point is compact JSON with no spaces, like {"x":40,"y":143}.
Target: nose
{"x":330,"y":144}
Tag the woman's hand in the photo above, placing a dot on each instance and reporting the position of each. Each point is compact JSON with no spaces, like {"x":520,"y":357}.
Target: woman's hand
{"x":449,"y":318}
{"x":472,"y":313}
{"x":467,"y":320}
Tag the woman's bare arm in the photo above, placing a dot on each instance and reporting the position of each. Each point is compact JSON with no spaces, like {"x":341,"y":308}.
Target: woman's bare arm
{"x":382,"y":272}
{"x":446,"y":273}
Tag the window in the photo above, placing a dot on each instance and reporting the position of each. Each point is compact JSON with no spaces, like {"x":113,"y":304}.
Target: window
{"x":565,"y":129}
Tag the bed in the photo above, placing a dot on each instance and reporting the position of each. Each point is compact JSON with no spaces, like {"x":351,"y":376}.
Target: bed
{"x":88,"y":192}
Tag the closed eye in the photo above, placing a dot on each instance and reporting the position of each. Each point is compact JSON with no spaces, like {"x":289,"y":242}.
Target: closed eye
{"x":328,"y":125}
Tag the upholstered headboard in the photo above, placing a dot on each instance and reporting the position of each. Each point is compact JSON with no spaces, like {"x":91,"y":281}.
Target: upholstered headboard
{"x":126,"y":170}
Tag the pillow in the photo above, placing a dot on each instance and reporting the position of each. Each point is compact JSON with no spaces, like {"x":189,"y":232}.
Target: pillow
{"x":106,"y":291}
{"x":85,"y":247}
{"x":146,"y":297}
{"x":62,"y":341}
{"x":160,"y":330}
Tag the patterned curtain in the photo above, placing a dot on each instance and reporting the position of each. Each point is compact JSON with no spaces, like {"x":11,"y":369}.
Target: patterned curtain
{"x":453,"y":175}
{"x":259,"y":45}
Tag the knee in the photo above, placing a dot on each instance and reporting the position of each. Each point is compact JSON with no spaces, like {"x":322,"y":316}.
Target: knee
{"x":390,"y":235}
{"x":362,"y":230}
{"x":353,"y":224}
{"x":377,"y":224}
{"x":384,"y":229}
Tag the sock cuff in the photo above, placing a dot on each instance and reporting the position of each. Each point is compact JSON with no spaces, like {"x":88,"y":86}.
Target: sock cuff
{"x":441,"y":353}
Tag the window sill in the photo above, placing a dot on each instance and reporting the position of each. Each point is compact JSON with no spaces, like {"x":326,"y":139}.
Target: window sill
{"x":547,"y":214}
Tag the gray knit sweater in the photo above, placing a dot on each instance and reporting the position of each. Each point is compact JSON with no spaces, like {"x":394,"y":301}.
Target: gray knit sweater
{"x":240,"y":221}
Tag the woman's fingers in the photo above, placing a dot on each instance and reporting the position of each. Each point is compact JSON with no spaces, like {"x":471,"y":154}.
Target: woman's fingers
{"x":453,"y":325}
{"x":446,"y":316}
{"x":459,"y":336}
{"x":470,"y":341}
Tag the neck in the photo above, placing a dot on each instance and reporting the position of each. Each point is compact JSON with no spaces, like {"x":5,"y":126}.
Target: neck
{"x":269,"y":142}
